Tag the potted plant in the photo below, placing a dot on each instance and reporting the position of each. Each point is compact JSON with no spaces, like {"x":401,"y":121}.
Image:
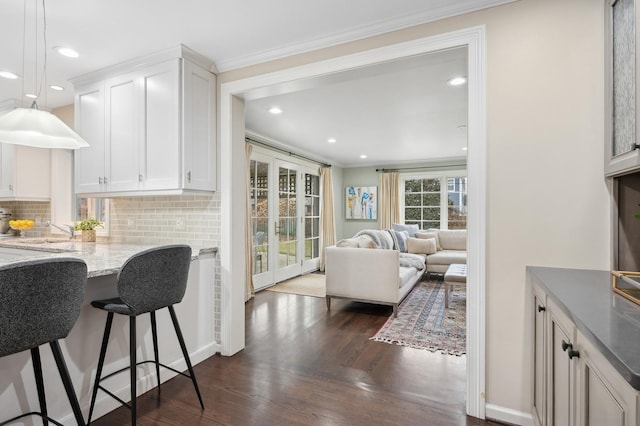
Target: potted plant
{"x":88,"y":227}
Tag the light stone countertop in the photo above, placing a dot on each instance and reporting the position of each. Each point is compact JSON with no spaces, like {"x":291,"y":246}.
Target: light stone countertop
{"x":102,"y":258}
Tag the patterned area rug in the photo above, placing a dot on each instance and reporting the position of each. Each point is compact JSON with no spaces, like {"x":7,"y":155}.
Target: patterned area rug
{"x":424,"y":323}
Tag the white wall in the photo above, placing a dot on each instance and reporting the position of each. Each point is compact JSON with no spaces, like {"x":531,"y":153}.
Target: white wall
{"x":547,"y":199}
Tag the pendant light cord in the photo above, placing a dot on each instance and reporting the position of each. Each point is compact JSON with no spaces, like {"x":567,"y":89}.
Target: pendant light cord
{"x":43,"y":78}
{"x":24,"y":44}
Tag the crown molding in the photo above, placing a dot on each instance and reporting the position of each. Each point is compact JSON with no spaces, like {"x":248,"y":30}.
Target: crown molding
{"x":362,"y":32}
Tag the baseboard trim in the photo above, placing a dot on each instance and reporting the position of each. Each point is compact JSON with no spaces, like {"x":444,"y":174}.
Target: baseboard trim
{"x":507,"y":415}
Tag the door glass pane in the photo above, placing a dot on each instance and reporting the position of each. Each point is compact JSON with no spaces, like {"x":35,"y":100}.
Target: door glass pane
{"x":312,"y":216}
{"x":259,"y":193}
{"x":624,"y":71}
{"x":287,"y":210}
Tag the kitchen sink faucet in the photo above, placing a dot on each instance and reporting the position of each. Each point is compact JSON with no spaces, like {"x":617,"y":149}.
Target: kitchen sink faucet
{"x":69,"y":230}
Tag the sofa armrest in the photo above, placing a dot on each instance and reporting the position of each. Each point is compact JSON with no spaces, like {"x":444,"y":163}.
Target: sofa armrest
{"x":359,"y":273}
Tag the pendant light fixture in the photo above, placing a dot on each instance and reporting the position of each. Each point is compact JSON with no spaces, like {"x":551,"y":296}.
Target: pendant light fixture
{"x":33,"y":127}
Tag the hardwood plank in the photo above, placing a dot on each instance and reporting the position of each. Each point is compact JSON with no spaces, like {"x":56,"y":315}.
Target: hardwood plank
{"x":303,"y":365}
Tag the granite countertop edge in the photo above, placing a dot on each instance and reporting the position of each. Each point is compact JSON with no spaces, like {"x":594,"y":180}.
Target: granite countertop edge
{"x":615,"y":354}
{"x":102,"y":258}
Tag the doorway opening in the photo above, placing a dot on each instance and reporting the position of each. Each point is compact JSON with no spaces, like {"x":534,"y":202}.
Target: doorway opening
{"x":233,"y":193}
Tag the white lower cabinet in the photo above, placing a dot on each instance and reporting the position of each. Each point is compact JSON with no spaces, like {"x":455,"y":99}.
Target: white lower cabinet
{"x":573,"y":383}
{"x":604,"y":397}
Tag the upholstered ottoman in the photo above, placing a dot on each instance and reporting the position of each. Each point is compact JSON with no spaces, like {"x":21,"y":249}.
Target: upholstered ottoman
{"x":456,"y":275}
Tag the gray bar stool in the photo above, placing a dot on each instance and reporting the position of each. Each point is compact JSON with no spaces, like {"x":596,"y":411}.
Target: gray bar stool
{"x":150,"y":280}
{"x":40,"y":301}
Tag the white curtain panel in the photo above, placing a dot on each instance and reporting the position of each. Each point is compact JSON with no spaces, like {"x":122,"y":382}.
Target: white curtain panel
{"x":327,"y":213}
{"x":389,"y":199}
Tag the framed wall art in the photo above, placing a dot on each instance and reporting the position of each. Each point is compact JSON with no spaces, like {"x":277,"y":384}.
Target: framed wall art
{"x":361,"y":202}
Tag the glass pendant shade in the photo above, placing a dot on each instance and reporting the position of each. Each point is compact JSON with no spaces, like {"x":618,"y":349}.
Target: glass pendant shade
{"x":41,"y":129}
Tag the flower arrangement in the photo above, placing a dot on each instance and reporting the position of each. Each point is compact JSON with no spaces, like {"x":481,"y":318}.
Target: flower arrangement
{"x":88,"y":224}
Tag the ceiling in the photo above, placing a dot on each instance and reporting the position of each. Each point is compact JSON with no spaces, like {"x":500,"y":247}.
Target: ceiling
{"x":232,"y":34}
{"x":395,"y":112}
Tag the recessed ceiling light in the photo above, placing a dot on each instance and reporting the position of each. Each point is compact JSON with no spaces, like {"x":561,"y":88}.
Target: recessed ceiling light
{"x":457,"y":81}
{"x":363,"y":156}
{"x":275,"y":110}
{"x":66,"y":51}
{"x":332,"y":140}
{"x":29,"y":95}
{"x":8,"y":74}
{"x":58,"y":88}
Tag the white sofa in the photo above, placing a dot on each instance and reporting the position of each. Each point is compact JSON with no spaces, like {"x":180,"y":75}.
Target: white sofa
{"x":452,"y":248}
{"x":372,"y":275}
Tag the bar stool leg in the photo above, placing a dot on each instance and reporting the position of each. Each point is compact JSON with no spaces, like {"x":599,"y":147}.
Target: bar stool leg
{"x":103,"y":351}
{"x":37,"y":371}
{"x":132,"y":365}
{"x":174,"y":319}
{"x":66,"y":381}
{"x":154,"y":334}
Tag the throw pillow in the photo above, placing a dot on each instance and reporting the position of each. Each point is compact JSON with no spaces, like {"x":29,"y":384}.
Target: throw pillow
{"x":411,"y":229}
{"x":399,"y":240}
{"x":427,"y":235}
{"x":421,"y":245}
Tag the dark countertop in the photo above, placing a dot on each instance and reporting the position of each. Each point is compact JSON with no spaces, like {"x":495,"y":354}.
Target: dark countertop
{"x":608,"y":320}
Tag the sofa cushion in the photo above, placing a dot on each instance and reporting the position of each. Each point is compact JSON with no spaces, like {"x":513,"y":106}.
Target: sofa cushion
{"x":447,"y":257}
{"x":411,"y":229}
{"x":453,"y":239}
{"x":426,"y":235}
{"x":419,"y":245}
{"x":406,"y":274}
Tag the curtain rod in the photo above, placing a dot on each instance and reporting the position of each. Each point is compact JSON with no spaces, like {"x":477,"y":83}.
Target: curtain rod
{"x":284,"y":151}
{"x":421,"y":168}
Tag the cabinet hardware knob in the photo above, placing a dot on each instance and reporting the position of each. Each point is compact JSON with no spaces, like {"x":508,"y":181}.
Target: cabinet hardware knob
{"x":189,"y":177}
{"x":100,"y":180}
{"x":541,"y":308}
{"x":566,"y":346}
{"x":140,"y":178}
{"x":573,"y":354}
{"x":10,"y":187}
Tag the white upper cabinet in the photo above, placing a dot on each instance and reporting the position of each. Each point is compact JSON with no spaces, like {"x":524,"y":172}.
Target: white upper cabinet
{"x":25,"y":173}
{"x":622,"y":153}
{"x":150,"y":126}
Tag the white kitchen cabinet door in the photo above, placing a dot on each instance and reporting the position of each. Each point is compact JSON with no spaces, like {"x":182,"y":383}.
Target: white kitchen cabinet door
{"x":604,"y":398}
{"x":89,"y":119}
{"x":123,"y":127}
{"x":539,"y":361}
{"x":199,"y":128}
{"x":26,"y":173}
{"x":6,"y":174}
{"x":160,"y":148}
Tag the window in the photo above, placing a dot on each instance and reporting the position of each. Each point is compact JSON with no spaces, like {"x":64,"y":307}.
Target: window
{"x":435,"y":201}
{"x":97,"y":208}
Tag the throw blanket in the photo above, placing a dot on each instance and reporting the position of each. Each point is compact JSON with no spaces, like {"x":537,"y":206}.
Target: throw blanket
{"x":381,"y":238}
{"x":410,"y":260}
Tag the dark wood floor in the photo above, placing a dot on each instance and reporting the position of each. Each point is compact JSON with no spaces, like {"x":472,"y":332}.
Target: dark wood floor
{"x":304,"y":366}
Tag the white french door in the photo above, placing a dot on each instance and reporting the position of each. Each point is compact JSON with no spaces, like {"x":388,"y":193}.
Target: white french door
{"x":285,"y":203}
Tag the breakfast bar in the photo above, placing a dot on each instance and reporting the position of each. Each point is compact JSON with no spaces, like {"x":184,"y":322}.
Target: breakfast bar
{"x":81,"y":347}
